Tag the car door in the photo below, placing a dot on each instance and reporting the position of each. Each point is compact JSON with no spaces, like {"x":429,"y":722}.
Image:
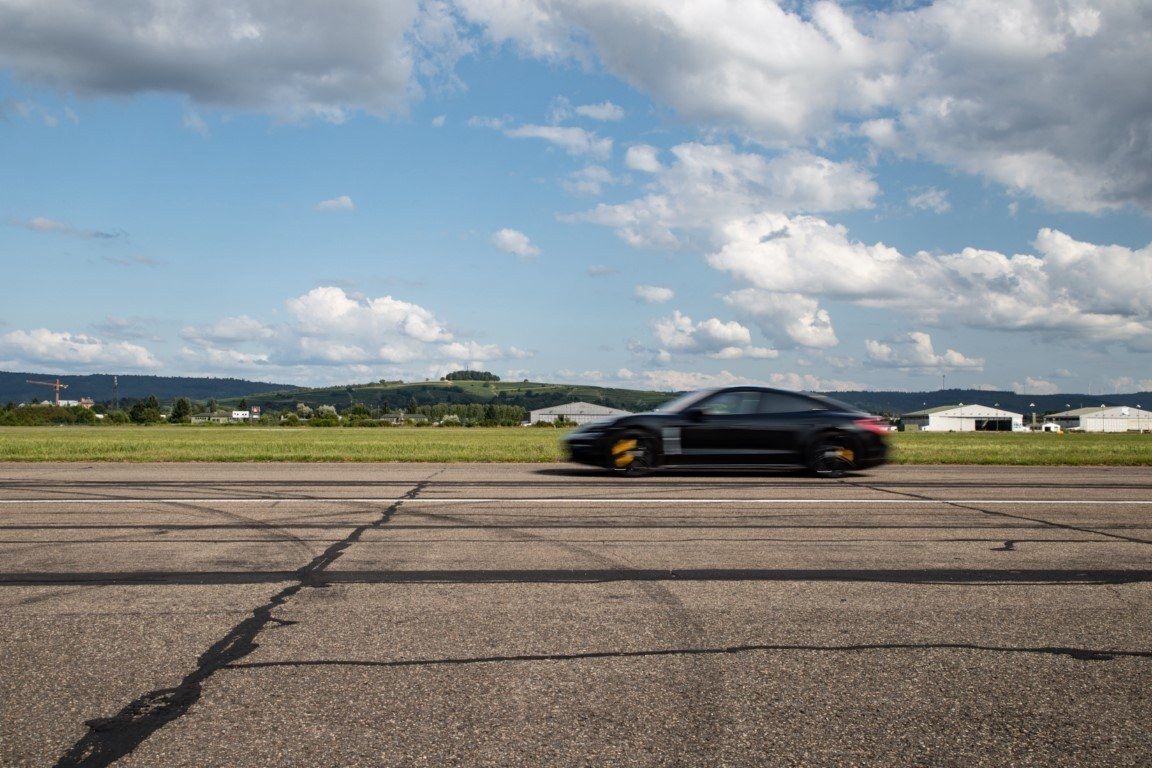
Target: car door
{"x":723,"y":429}
{"x":782,"y":420}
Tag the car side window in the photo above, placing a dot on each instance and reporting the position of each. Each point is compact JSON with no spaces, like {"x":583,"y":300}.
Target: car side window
{"x":731,"y":403}
{"x":779,"y":402}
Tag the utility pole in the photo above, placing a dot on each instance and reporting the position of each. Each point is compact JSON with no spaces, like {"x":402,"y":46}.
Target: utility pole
{"x":115,"y":393}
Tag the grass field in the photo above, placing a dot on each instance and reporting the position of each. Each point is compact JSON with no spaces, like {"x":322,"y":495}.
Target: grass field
{"x":172,"y":443}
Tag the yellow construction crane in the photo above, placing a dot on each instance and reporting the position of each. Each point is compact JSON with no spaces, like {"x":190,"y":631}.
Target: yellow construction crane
{"x":56,"y":385}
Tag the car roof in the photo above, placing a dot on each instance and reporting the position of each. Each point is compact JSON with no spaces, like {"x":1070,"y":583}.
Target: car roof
{"x":825,"y":399}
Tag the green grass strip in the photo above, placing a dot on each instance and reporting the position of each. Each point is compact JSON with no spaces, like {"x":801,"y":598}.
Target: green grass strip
{"x":510,"y":444}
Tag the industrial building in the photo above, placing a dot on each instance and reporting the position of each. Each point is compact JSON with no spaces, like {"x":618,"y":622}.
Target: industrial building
{"x":964,"y":418}
{"x":578,"y":413}
{"x":1105,"y":418}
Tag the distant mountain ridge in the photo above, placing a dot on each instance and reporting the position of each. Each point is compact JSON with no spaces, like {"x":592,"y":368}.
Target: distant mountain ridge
{"x":98,"y":386}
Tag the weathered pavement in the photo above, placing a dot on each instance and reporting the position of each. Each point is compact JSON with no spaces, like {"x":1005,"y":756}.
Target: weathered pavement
{"x":252,"y":615}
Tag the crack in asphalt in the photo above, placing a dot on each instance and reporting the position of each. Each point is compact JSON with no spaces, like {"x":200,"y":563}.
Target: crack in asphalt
{"x":111,"y":738}
{"x":1079,"y":654}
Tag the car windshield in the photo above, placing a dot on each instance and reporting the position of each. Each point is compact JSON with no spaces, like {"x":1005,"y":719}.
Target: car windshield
{"x":683,"y":401}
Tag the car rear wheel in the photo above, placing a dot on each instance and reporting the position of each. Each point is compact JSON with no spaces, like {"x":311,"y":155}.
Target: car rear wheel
{"x":633,"y":454}
{"x":832,"y":455}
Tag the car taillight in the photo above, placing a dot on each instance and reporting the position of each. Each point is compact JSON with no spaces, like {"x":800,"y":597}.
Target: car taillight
{"x":875,"y":426}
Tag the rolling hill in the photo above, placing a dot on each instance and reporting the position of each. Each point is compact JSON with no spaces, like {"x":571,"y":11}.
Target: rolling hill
{"x":400,"y":395}
{"x":396,"y":395}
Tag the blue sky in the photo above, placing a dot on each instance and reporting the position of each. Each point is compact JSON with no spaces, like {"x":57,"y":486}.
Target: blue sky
{"x":632,"y":193}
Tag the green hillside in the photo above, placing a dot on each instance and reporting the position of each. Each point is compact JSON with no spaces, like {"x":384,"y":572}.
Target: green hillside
{"x":400,"y":395}
{"x":14,"y":387}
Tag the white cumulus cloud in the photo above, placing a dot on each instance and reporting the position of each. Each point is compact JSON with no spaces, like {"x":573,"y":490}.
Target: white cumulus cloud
{"x":329,"y":312}
{"x":654,"y":294}
{"x":227,"y":330}
{"x":213,"y":358}
{"x":589,"y":181}
{"x":931,"y":199}
{"x":293,"y":61}
{"x":709,"y":184}
{"x":712,"y":337}
{"x":574,"y":141}
{"x":515,"y":242}
{"x":341,"y":203}
{"x":1068,"y":288}
{"x":327,"y":329}
{"x":915,"y":352}
{"x":791,"y":319}
{"x":1034,"y":386}
{"x":643,"y":157}
{"x":605,"y":111}
{"x":41,"y":346}
{"x":926,"y":80}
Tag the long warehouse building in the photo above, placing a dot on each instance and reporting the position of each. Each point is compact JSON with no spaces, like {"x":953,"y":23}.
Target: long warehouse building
{"x":964,"y":418}
{"x":1105,"y":418}
{"x":577,"y":413}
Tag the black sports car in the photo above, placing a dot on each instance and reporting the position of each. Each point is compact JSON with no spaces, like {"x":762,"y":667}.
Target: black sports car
{"x":735,"y":426}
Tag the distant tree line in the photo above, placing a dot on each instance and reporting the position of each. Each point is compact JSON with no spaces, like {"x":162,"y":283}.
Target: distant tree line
{"x":479,"y":414}
{"x":471,"y":376}
{"x":45,"y":415}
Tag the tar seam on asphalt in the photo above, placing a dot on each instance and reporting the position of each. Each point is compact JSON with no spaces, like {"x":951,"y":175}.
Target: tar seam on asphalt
{"x":111,"y":738}
{"x":993,"y":513}
{"x":972,"y":577}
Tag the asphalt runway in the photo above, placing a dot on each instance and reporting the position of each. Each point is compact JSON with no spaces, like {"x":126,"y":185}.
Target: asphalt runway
{"x":547,"y":615}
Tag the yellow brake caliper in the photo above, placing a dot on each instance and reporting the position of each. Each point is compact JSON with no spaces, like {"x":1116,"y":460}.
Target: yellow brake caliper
{"x":622,"y":454}
{"x":846,"y":454}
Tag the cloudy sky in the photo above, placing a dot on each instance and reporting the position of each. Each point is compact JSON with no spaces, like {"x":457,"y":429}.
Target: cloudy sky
{"x":664,"y":195}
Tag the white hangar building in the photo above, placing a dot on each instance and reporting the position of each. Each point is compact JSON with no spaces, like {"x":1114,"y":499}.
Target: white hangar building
{"x":578,"y":413}
{"x":1105,"y":418}
{"x":964,"y":418}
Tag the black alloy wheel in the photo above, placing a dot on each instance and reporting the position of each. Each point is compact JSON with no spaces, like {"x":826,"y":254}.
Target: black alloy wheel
{"x":831,"y":456}
{"x":633,"y":454}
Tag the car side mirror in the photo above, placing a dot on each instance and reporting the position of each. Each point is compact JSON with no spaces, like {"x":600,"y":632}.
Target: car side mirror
{"x":695,"y":414}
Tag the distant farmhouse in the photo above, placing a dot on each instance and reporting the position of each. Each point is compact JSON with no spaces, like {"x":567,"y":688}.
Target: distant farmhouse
{"x":219,"y":417}
{"x":1105,"y":418}
{"x":400,"y":417}
{"x":964,"y":418}
{"x":577,"y":413}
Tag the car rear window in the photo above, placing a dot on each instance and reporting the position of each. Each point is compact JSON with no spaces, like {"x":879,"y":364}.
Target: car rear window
{"x":831,"y":404}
